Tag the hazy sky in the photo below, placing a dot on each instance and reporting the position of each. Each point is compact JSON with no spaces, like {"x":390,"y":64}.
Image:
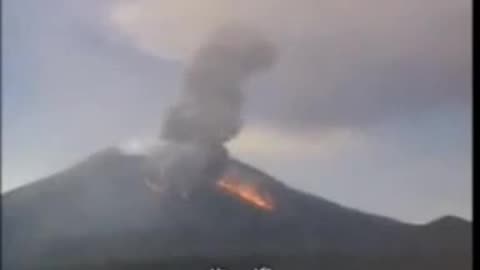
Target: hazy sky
{"x":368,"y":105}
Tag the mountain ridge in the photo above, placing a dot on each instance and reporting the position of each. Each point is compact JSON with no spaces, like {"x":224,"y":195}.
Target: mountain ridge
{"x":102,"y":208}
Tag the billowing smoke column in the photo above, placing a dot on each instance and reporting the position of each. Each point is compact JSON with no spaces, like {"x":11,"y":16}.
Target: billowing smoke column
{"x":210,"y":108}
{"x":208,"y":113}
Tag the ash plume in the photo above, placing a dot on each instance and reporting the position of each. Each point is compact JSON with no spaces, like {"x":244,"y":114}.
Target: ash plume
{"x":209,"y":110}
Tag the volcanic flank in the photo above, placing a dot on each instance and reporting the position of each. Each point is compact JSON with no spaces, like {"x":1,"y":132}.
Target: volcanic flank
{"x":100,"y":214}
{"x":189,"y":205}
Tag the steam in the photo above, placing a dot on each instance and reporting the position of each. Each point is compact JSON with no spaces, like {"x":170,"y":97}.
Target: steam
{"x":209,"y":110}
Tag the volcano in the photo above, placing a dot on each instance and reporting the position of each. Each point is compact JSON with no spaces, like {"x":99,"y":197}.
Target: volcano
{"x":106,"y":213}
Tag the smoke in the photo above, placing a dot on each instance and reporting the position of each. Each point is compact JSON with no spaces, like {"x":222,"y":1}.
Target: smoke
{"x":209,"y":110}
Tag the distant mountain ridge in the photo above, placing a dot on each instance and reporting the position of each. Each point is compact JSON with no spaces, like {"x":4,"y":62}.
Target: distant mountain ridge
{"x":101,"y":211}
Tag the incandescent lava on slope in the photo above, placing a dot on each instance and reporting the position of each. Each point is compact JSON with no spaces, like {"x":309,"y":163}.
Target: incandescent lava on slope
{"x":247,"y":192}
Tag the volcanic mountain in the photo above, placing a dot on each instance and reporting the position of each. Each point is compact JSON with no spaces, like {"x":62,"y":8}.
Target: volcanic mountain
{"x":105,"y":213}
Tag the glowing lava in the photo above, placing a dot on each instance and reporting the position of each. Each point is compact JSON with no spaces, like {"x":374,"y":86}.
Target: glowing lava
{"x":247,"y":192}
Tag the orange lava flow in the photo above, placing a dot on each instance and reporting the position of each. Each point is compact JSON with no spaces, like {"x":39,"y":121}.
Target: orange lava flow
{"x":247,"y":192}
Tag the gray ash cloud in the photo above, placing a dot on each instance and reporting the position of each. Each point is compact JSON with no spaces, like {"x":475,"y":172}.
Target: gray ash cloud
{"x":209,"y":110}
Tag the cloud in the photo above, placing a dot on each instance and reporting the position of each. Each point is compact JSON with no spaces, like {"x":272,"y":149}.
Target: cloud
{"x":342,"y":63}
{"x":262,"y":142}
{"x":358,"y":97}
{"x":71,"y":88}
{"x":140,"y":145}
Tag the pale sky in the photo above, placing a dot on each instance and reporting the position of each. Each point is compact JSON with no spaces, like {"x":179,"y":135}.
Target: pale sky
{"x":368,"y":104}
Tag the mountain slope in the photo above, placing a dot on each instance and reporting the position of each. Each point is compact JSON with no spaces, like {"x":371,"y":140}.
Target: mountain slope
{"x":103,"y":211}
